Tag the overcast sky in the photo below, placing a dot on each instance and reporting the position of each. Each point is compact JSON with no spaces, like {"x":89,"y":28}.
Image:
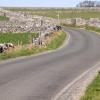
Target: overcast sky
{"x":39,"y":3}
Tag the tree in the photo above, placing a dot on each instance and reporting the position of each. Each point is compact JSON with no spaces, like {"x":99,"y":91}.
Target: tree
{"x":89,"y":3}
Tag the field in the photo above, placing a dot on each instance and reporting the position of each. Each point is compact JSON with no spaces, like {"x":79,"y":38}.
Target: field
{"x":16,"y":38}
{"x":3,"y":18}
{"x":93,"y":90}
{"x":64,"y":13}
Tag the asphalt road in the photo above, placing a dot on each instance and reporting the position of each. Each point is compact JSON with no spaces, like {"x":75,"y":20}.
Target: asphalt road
{"x":42,"y":77}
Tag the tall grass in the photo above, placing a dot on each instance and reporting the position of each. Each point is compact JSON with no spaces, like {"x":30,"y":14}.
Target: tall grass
{"x":57,"y":41}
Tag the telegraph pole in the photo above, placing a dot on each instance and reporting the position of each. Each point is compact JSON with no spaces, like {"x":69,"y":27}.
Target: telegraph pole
{"x":58,"y":15}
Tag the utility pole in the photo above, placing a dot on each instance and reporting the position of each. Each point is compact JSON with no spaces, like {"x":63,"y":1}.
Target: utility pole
{"x":58,"y":15}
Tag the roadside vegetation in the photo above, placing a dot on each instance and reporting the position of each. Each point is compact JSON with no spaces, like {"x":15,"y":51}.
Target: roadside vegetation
{"x":4,"y":18}
{"x":64,"y":13}
{"x":57,"y":41}
{"x":54,"y":42}
{"x":93,"y":90}
{"x":91,"y":28}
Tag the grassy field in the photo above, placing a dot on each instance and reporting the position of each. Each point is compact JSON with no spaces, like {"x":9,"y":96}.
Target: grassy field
{"x":64,"y":13}
{"x":15,"y":38}
{"x":24,"y":51}
{"x":3,"y":18}
{"x":93,"y":90}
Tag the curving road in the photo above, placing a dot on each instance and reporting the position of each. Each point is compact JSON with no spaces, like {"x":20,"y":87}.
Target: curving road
{"x":42,"y":77}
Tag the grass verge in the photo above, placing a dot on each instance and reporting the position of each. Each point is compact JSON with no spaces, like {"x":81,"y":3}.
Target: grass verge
{"x":90,"y":28}
{"x":57,"y":40}
{"x":93,"y":90}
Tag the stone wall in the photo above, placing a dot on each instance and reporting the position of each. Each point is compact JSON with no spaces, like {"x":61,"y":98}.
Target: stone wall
{"x":22,"y":22}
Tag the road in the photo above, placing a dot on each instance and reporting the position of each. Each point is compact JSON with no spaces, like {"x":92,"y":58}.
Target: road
{"x":42,"y":77}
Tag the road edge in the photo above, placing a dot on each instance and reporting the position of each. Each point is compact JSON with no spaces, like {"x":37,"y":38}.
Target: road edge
{"x":73,"y":91}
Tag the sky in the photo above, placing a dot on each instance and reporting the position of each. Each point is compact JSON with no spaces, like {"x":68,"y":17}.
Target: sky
{"x":39,"y":3}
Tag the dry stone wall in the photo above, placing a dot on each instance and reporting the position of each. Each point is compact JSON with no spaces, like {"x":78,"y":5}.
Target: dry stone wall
{"x":22,"y":22}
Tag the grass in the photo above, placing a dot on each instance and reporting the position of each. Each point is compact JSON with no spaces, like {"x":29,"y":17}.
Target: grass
{"x":15,"y":38}
{"x":64,"y":13}
{"x":93,"y":90}
{"x":4,"y":18}
{"x":56,"y":41}
{"x":21,"y":51}
{"x":92,"y":28}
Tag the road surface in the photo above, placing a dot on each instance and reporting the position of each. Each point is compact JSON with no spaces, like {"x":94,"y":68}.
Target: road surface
{"x":42,"y":77}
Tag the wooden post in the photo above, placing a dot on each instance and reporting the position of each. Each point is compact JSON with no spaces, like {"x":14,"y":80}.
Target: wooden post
{"x":30,"y":40}
{"x":58,"y":15}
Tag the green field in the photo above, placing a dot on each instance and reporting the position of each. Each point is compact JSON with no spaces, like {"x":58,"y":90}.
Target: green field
{"x":15,"y":38}
{"x":93,"y":90}
{"x":64,"y":13}
{"x":4,"y":18}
